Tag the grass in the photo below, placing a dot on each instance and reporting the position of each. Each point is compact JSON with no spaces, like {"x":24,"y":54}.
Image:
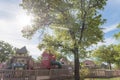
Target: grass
{"x":118,"y":78}
{"x":103,"y":78}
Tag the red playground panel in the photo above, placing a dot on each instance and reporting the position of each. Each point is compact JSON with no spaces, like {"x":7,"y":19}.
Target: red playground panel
{"x":46,"y":60}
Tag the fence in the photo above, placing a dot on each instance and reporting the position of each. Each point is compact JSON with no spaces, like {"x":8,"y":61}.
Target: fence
{"x":104,"y":73}
{"x":53,"y":74}
{"x":35,"y":74}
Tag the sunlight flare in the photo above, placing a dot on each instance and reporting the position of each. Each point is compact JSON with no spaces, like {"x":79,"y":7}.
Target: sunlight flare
{"x":24,"y":19}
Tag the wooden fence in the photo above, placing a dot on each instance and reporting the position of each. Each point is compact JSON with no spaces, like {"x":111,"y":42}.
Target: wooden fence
{"x":104,"y":73}
{"x":44,"y":74}
{"x":53,"y":74}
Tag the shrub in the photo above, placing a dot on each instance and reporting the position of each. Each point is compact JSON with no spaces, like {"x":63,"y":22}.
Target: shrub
{"x":83,"y":73}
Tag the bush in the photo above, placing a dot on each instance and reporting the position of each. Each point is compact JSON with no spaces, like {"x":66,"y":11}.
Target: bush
{"x":83,"y":73}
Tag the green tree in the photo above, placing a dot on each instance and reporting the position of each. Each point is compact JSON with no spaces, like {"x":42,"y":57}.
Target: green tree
{"x":6,"y":51}
{"x":117,"y":47}
{"x":117,"y":56}
{"x":75,"y":22}
{"x":106,"y":54}
{"x":117,"y":35}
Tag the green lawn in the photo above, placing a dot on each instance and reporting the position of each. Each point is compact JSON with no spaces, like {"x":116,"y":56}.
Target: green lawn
{"x":100,"y":79}
{"x":103,"y":79}
{"x":118,"y":78}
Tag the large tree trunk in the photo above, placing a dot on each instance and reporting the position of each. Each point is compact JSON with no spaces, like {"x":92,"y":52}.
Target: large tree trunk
{"x":110,"y":67}
{"x":76,"y":64}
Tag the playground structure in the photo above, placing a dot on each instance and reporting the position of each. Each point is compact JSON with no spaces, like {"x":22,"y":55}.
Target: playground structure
{"x":49,"y":61}
{"x":22,"y":67}
{"x":22,"y":61}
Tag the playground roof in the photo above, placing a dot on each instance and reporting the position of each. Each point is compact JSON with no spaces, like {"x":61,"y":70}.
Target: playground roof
{"x":23,"y":50}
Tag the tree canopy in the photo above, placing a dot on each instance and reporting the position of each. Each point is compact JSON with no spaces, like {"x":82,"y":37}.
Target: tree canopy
{"x":117,"y":35}
{"x":108,"y":54}
{"x":75,"y":24}
{"x":117,"y":56}
{"x":6,"y":51}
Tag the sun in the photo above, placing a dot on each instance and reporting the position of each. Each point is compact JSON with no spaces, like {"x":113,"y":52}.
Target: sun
{"x":23,"y":19}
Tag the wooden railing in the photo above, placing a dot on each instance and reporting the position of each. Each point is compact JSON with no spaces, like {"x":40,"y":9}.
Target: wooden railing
{"x":104,"y":73}
{"x":35,"y":74}
{"x":53,"y":74}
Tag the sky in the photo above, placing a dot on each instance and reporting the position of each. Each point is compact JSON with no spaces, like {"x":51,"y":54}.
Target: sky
{"x":13,"y":18}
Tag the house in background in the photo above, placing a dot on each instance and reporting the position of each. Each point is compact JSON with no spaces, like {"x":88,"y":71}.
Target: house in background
{"x":89,"y":64}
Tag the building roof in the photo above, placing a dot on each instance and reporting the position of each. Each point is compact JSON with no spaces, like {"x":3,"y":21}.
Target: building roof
{"x":88,"y":62}
{"x":23,"y":50}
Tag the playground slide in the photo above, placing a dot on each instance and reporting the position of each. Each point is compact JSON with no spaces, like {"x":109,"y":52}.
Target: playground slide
{"x":56,"y":63}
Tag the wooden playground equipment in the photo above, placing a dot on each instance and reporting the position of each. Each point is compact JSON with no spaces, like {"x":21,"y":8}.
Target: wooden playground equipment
{"x":21,"y":60}
{"x":22,"y":67}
